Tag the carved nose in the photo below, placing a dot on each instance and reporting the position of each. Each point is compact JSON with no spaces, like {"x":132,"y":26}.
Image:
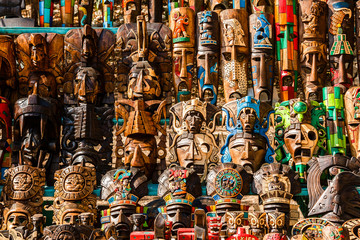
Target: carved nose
{"x":82,"y":88}
{"x":137,"y":159}
{"x":248,"y":153}
{"x":139,"y":82}
{"x":314,"y":74}
{"x":342,"y":70}
{"x":183,"y":71}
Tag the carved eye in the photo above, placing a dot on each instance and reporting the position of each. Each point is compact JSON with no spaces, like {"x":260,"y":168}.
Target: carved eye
{"x":307,"y":70}
{"x":321,"y":69}
{"x":280,"y":35}
{"x":312,"y":135}
{"x":146,"y":152}
{"x":205,"y":147}
{"x":291,"y":136}
{"x":227,"y":56}
{"x":255,"y":148}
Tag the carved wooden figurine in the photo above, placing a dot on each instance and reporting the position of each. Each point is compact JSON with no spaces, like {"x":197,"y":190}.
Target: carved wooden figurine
{"x":6,"y":132}
{"x":234,"y":25}
{"x":182,"y":24}
{"x":313,"y":53}
{"x":208,"y":55}
{"x":352,"y":119}
{"x":262,"y":55}
{"x":286,"y":30}
{"x":341,"y":42}
{"x":194,"y":145}
{"x":8,"y":67}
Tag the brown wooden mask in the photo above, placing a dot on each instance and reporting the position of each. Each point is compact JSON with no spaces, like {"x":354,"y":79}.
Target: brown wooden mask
{"x":341,"y":42}
{"x":182,"y":24}
{"x":262,"y":55}
{"x":208,"y":55}
{"x":313,"y":60}
{"x":7,"y":65}
{"x":234,"y":52}
{"x":257,"y":222}
{"x":352,"y":119}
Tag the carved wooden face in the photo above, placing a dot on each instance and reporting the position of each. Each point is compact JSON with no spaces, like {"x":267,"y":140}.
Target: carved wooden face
{"x":143,"y":82}
{"x":17,"y":219}
{"x":234,"y":51}
{"x":183,"y":70}
{"x":341,"y":42}
{"x":71,"y":218}
{"x":352,"y":119}
{"x":257,"y":220}
{"x":248,"y":117}
{"x":276,"y":221}
{"x":86,"y":85}
{"x":194,"y":121}
{"x":31,"y":143}
{"x":88,"y":51}
{"x":233,"y":221}
{"x":208,"y":75}
{"x":38,"y":56}
{"x":179,"y":215}
{"x":287,"y":47}
{"x":141,"y":152}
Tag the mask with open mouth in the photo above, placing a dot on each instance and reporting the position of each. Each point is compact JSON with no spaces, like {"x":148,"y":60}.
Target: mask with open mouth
{"x":352,"y":119}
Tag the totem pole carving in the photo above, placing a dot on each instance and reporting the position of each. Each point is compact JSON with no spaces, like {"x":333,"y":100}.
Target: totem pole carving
{"x":341,"y":42}
{"x":313,"y":53}
{"x":182,"y":24}
{"x":257,"y":222}
{"x":194,"y":145}
{"x":300,"y":133}
{"x":208,"y":55}
{"x":287,"y":47}
{"x":234,"y":27}
{"x":352,"y":119}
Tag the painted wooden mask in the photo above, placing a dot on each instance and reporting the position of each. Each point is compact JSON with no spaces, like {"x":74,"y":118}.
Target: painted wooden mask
{"x":208,"y":55}
{"x":262,"y":55}
{"x":313,"y":60}
{"x":287,"y":47}
{"x":182,"y":24}
{"x":352,"y":119}
{"x":234,"y":28}
{"x":341,"y":42}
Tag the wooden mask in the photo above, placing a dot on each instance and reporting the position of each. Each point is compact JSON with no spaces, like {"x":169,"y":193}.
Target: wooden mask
{"x":214,"y":228}
{"x":313,"y":53}
{"x":8,"y":66}
{"x":335,"y":120}
{"x":233,"y":220}
{"x":286,"y":30}
{"x":352,"y":226}
{"x":208,"y":55}
{"x":352,"y":119}
{"x":234,"y":25}
{"x":341,"y":42}
{"x":262,"y":55}
{"x":5,"y":127}
{"x":257,"y":222}
{"x":315,"y":228}
{"x":182,"y":24}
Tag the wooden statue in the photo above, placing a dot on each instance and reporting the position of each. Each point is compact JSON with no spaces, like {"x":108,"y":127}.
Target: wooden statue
{"x":39,"y":60}
{"x":313,"y":53}
{"x":257,"y":222}
{"x":335,"y":120}
{"x":341,"y":42}
{"x":198,"y":231}
{"x":6,"y":131}
{"x":262,"y":55}
{"x":316,"y":228}
{"x":8,"y":67}
{"x":226,"y":184}
{"x":11,"y":10}
{"x":182,"y":24}
{"x":132,"y":9}
{"x":208,"y":55}
{"x":122,"y":189}
{"x":234,"y":25}
{"x":352,"y":119}
{"x":73,"y":194}
{"x":194,"y":145}
{"x":247,"y":144}
{"x":67,"y":13}
{"x":286,"y":30}
{"x":300,"y":134}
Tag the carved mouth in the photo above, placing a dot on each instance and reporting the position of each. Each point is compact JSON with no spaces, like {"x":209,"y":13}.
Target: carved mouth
{"x":247,"y":127}
{"x":302,"y":152}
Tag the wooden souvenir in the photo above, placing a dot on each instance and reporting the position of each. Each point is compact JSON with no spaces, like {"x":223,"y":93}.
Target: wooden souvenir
{"x":5,"y":128}
{"x":67,"y":13}
{"x":39,"y":60}
{"x":71,"y":232}
{"x":352,"y":227}
{"x":46,"y":8}
{"x":199,"y":229}
{"x":226,"y":184}
{"x":234,"y":27}
{"x":85,"y":12}
{"x":241,"y":234}
{"x":286,"y":30}
{"x":73,"y":194}
{"x":247,"y":145}
{"x":8,"y":66}
{"x":208,"y":55}
{"x":179,"y":187}
{"x":341,"y":42}
{"x":313,"y":53}
{"x":316,"y":228}
{"x":11,"y":10}
{"x":22,"y":195}
{"x":132,"y":9}
{"x":233,"y":220}
{"x":214,"y":227}
{"x":335,"y":120}
{"x":262,"y":55}
{"x":257,"y":222}
{"x":182,"y":24}
{"x":299,"y":133}
{"x":352,"y":119}
{"x":194,"y":145}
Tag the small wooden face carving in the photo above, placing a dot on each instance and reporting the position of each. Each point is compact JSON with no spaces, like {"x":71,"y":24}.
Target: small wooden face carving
{"x":341,"y":42}
{"x":257,"y":222}
{"x":287,"y":47}
{"x":262,"y":55}
{"x":86,"y":85}
{"x":352,"y":119}
{"x":208,"y":55}
{"x":276,"y":221}
{"x":234,"y":52}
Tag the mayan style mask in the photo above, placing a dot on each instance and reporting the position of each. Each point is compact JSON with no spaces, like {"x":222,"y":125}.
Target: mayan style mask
{"x":257,"y":222}
{"x":233,"y":221}
{"x":341,"y":42}
{"x":214,"y":227}
{"x":262,"y":55}
{"x":287,"y":47}
{"x":313,"y":60}
{"x":132,"y":9}
{"x":335,"y":120}
{"x":234,"y":52}
{"x":299,"y":132}
{"x":352,"y":119}
{"x":182,"y":24}
{"x":275,"y":221}
{"x":316,"y":228}
{"x":86,"y":85}
{"x":247,"y":143}
{"x":208,"y":55}
{"x":194,"y":145}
